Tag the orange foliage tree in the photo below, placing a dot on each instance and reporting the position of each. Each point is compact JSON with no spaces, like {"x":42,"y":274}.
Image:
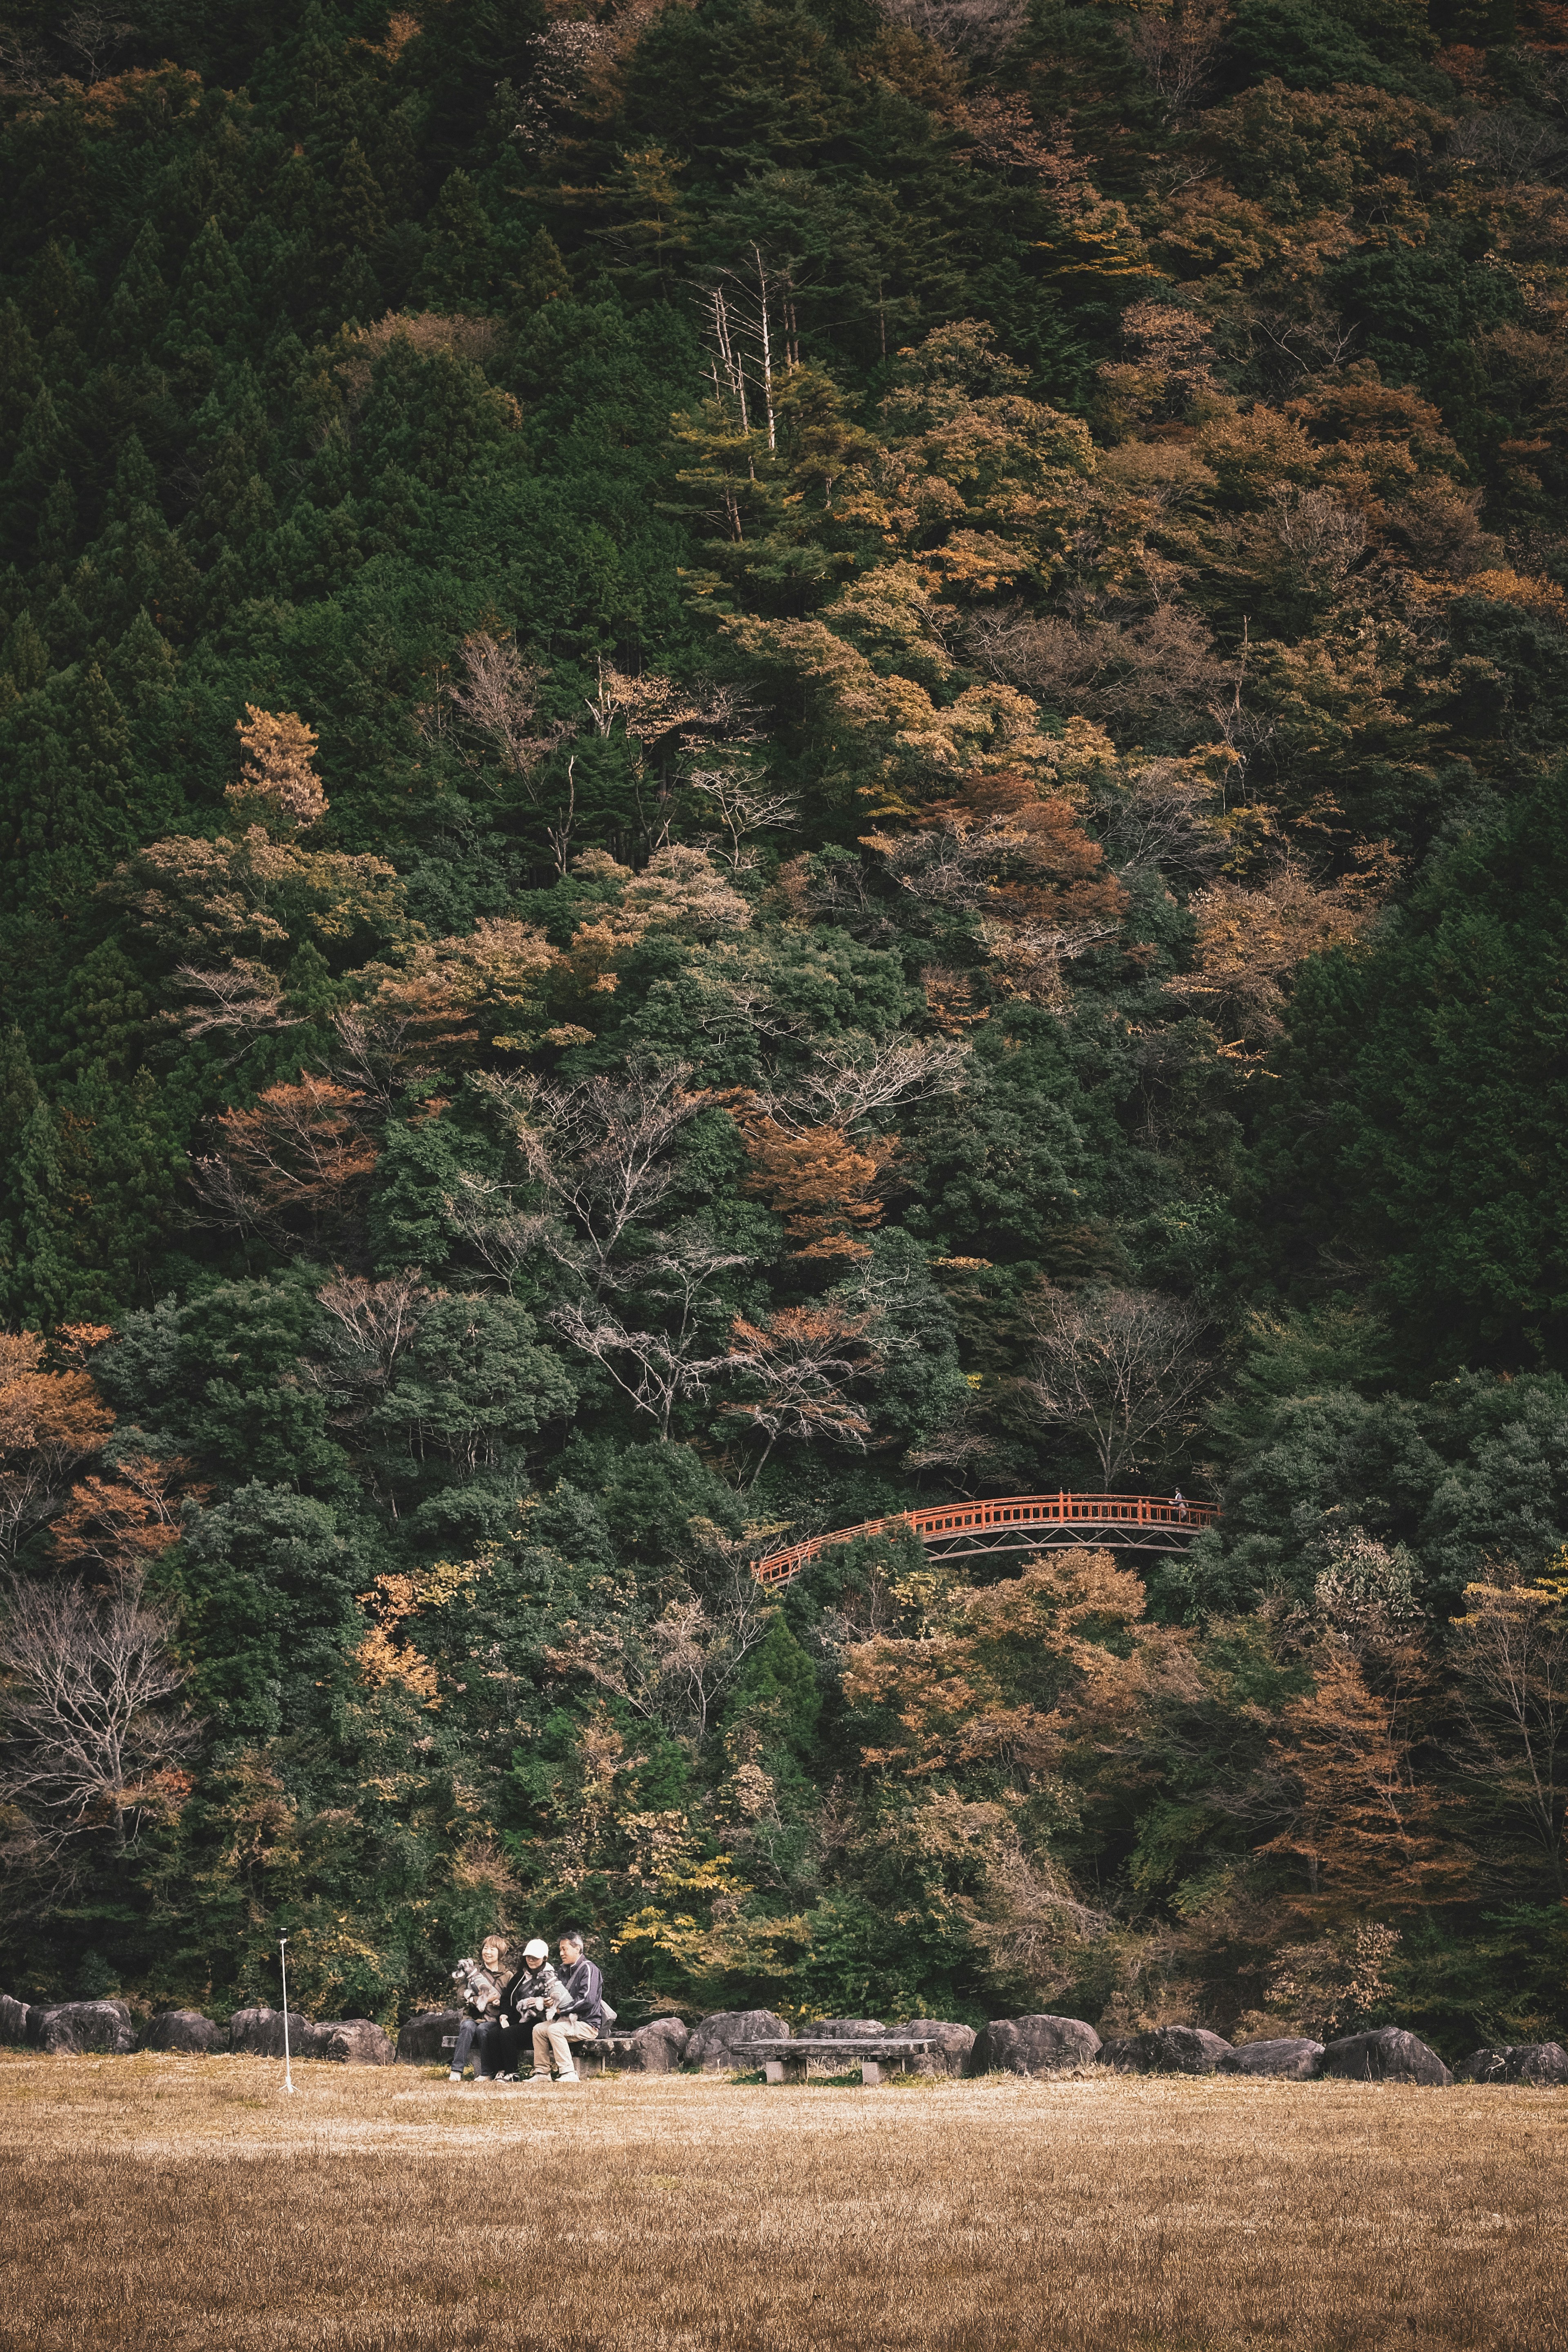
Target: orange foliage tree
{"x":279,"y":780}
{"x":1364,"y":1832}
{"x":821,"y":1184}
{"x":299,"y":1159}
{"x":50,"y":1421}
{"x":1020,"y":860}
{"x":119,"y":1525}
{"x":1010,"y":1675}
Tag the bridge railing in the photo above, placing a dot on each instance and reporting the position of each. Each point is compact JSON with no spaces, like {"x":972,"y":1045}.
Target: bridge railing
{"x":1061,"y":1509}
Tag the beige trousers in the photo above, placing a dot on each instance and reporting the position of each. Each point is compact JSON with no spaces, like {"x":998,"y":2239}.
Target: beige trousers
{"x":553,"y":2040}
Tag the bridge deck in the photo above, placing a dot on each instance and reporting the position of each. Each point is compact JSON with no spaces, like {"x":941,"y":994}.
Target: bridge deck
{"x":1145,"y":1523}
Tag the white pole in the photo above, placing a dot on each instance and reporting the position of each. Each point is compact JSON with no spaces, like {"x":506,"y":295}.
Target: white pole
{"x":283,"y":1964}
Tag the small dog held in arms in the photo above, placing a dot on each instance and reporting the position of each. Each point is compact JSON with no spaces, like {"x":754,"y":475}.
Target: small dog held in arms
{"x":481,"y":1993}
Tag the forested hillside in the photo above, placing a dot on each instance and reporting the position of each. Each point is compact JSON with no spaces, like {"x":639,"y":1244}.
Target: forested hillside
{"x":761,"y":759}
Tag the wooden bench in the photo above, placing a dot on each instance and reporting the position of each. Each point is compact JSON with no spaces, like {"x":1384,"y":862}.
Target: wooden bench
{"x":786,"y":2061}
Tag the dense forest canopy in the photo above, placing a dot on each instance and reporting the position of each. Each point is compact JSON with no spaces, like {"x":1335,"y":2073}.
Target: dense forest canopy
{"x":761,"y":759}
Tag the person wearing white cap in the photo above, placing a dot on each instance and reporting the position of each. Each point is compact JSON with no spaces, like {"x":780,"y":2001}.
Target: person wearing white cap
{"x":534,"y":1994}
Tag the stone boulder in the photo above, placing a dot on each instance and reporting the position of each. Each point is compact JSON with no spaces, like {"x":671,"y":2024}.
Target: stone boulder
{"x":185,"y":2029}
{"x":14,"y":2020}
{"x":719,"y":2043}
{"x":839,"y":2029}
{"x":69,"y":2027}
{"x":258,"y":2033}
{"x":1032,"y":2045}
{"x":658,"y":2048}
{"x":1166,"y":2050}
{"x":419,"y":2038}
{"x":1295,"y":2060}
{"x":956,"y":2043}
{"x":349,"y":2042}
{"x":1389,"y":2055}
{"x":1517,"y":2062}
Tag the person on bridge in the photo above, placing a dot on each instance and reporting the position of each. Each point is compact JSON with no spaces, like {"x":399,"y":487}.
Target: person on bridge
{"x":1178,"y":1501}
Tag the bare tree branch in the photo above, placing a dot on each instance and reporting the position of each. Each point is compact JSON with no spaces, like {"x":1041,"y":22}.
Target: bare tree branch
{"x":89,"y":1741}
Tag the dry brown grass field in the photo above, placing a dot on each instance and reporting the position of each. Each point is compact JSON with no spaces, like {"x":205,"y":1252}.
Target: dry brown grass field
{"x":181,"y":2202}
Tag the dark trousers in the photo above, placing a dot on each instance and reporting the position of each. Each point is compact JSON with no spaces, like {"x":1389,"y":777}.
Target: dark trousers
{"x":470,"y":2042}
{"x":499,"y":2049}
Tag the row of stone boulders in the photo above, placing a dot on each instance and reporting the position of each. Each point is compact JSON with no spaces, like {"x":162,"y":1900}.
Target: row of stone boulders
{"x":1014,"y":2045}
{"x":81,"y":2027}
{"x":1540,"y":2063}
{"x":1046,"y":2046}
{"x":64,"y":2026}
{"x":1039,"y":2045}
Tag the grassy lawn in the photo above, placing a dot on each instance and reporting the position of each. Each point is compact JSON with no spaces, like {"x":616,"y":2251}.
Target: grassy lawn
{"x":174,"y":2202}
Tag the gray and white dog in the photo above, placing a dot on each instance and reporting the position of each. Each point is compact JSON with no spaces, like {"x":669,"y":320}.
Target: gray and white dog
{"x":481,"y":1993}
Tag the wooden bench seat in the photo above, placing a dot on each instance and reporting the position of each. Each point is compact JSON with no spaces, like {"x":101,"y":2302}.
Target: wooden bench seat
{"x":786,"y":2061}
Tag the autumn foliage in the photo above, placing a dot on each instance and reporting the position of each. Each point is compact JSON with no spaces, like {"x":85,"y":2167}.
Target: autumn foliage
{"x":824,"y":1186}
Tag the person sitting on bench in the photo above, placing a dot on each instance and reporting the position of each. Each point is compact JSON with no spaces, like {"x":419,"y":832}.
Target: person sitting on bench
{"x":577,"y":2015}
{"x":535,"y":1992}
{"x":481,"y":2001}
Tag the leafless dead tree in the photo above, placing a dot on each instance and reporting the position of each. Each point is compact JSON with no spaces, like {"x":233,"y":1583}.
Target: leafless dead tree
{"x":242,"y":997}
{"x":1178,"y":51}
{"x":800,"y":1369}
{"x":95,"y":37}
{"x":983,"y":30}
{"x":741,"y":800}
{"x":500,"y":699}
{"x":1164,"y":819}
{"x":90,"y":1740}
{"x":369,"y":1327}
{"x":668,"y":1284}
{"x":1510,"y":1655}
{"x":599,"y":1154}
{"x":1159,"y":673}
{"x":845,"y":1087}
{"x":674,"y":1668}
{"x":1115,"y":1365}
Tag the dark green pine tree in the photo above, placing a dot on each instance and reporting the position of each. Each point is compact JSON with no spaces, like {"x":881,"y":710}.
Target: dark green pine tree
{"x":212,"y":301}
{"x":137,"y":556}
{"x":60,"y":303}
{"x":542,"y":277}
{"x":359,"y":208}
{"x":66,"y":627}
{"x":21,"y":372}
{"x":139,"y":307}
{"x":121,"y":1162}
{"x":55,"y":541}
{"x":20,"y":1098}
{"x":458,"y":261}
{"x":359,"y":222}
{"x":24,"y":656}
{"x":107,"y":1020}
{"x":37,"y":1183}
{"x":45,"y":449}
{"x":141,"y":668}
{"x":65,"y":779}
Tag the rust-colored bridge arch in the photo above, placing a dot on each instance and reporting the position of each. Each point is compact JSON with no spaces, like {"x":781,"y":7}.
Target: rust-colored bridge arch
{"x":1145,"y":1523}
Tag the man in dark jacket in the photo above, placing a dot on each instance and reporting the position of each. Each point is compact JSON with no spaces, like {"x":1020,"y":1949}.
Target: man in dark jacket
{"x":576,"y":2015}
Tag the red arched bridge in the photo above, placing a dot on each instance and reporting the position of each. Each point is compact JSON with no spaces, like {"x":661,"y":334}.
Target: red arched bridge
{"x":1147,"y":1523}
